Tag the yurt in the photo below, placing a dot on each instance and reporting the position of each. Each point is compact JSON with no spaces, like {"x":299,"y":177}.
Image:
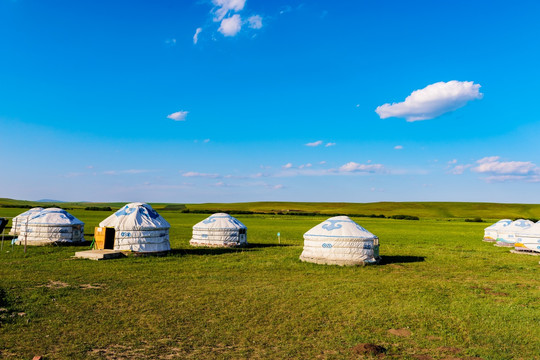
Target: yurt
{"x":20,"y":220}
{"x":138,"y":228}
{"x":490,"y":233}
{"x":50,"y":226}
{"x":340,"y":241}
{"x":528,"y":240}
{"x":507,"y":235}
{"x":219,"y":230}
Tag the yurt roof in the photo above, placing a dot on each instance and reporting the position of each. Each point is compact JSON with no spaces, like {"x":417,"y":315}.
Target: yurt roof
{"x":339,"y":226}
{"x":533,"y":230}
{"x":518,"y":225}
{"x":136,"y":216}
{"x":54,"y":216}
{"x":499,"y":224}
{"x":219,"y":221}
{"x":29,"y":212}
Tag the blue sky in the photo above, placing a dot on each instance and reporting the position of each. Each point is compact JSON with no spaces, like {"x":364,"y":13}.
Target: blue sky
{"x":283,"y":100}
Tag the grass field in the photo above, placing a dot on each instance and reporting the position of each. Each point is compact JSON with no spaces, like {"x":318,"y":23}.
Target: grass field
{"x":446,"y":294}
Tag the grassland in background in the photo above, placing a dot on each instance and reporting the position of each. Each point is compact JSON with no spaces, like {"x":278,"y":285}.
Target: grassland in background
{"x":431,"y":210}
{"x":458,"y":296}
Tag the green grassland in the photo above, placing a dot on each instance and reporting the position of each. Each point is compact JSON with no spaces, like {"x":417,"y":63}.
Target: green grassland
{"x":456,"y":296}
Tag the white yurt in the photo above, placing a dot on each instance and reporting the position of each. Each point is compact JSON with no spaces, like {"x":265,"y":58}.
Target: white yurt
{"x":340,"y":241}
{"x":20,"y":220}
{"x":53,"y":225}
{"x":507,"y":235}
{"x":528,"y":240}
{"x":490,"y":233}
{"x":139,"y":228}
{"x":219,"y":230}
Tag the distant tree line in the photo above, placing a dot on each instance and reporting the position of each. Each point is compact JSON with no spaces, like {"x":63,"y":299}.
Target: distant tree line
{"x":98,"y":208}
{"x":479,"y":219}
{"x":33,"y":206}
{"x":297,"y":213}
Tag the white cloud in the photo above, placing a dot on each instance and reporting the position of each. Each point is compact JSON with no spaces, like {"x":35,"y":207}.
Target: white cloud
{"x":315,"y":143}
{"x":308,"y":165}
{"x":129,"y":171}
{"x":178,"y":116}
{"x":227,"y":14}
{"x":231,"y":26}
{"x":459,"y":169}
{"x":500,"y":171}
{"x":223,"y":7}
{"x":356,"y":167}
{"x":206,"y":141}
{"x":277,"y":187}
{"x":330,"y":144}
{"x":196,"y":36}
{"x":287,"y":166}
{"x":493,"y":165}
{"x":398,"y":147}
{"x":432,"y":101}
{"x":322,"y":162}
{"x":198,"y":174}
{"x":255,"y":22}
{"x":170,"y":42}
{"x":504,"y":178}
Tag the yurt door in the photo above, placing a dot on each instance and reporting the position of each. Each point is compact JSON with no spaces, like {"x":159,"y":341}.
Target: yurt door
{"x":242,"y":237}
{"x":109,"y":238}
{"x":104,"y":237}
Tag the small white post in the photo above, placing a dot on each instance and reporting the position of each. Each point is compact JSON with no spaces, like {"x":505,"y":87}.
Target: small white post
{"x":26,"y":233}
{"x":279,"y":238}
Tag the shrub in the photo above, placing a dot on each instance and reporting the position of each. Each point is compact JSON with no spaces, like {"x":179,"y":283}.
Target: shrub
{"x":404,"y":217}
{"x":98,"y":208}
{"x":476,"y":219}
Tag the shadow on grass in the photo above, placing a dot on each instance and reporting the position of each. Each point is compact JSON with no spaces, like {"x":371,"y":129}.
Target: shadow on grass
{"x":255,"y":246}
{"x":85,"y":243}
{"x":400,"y":259}
{"x":207,"y":251}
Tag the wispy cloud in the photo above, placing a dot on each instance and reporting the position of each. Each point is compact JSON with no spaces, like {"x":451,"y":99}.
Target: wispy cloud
{"x":198,"y":174}
{"x":459,"y":169}
{"x":255,"y":22}
{"x":347,"y":169}
{"x":196,"y":36}
{"x":432,"y":101}
{"x":178,"y":116}
{"x":129,"y":171}
{"x":330,"y":144}
{"x":398,"y":147}
{"x":170,"y":42}
{"x":353,"y":167}
{"x":315,"y":143}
